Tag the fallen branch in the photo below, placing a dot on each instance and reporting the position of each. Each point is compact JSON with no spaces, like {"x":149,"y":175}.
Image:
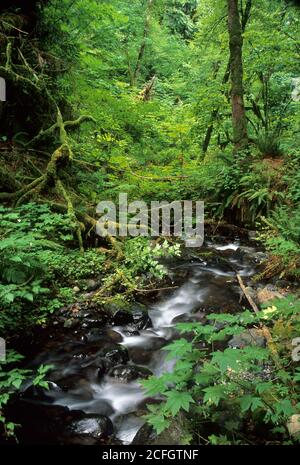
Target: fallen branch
{"x":157,"y":178}
{"x":223,"y":224}
{"x":247,"y":295}
{"x":156,"y":290}
{"x":265,"y":331}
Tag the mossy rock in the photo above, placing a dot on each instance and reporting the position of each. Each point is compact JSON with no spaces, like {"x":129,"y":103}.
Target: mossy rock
{"x":176,"y":434}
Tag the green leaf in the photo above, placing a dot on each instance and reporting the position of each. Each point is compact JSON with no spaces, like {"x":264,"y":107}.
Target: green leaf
{"x":249,"y":402}
{"x":178,"y":348}
{"x":154,"y":385}
{"x":214,"y":394}
{"x":17,"y":383}
{"x":230,"y":358}
{"x":159,"y":422}
{"x":285,"y":407}
{"x":178,"y":400}
{"x":263,"y":387}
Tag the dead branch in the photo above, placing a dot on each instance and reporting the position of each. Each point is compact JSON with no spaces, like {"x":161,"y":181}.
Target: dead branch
{"x":247,"y":295}
{"x":265,"y":331}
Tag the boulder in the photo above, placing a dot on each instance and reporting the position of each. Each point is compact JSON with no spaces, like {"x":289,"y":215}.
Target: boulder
{"x":141,"y":319}
{"x":250,"y":337}
{"x":127,"y":373}
{"x":294,"y":425}
{"x":38,"y":393}
{"x":140,"y":356}
{"x":99,"y":407}
{"x":89,"y":430}
{"x":71,"y":323}
{"x":101,"y":335}
{"x":267,"y":294}
{"x":114,"y":355}
{"x":175,"y":434}
{"x":47,"y":421}
{"x":121,"y":318}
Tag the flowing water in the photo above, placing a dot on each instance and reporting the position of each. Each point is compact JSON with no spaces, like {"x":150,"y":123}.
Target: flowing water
{"x":207,"y":286}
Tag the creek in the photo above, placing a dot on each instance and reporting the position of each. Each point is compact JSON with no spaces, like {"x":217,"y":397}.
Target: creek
{"x":94,"y":383}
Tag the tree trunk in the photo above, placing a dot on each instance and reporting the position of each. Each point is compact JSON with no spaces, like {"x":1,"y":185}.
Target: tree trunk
{"x":245,"y":18}
{"x":239,"y":121}
{"x":141,"y":52}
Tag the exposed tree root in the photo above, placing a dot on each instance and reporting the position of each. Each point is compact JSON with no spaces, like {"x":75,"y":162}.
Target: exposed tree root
{"x":87,"y":220}
{"x":71,"y":212}
{"x":61,"y":126}
{"x":60,"y":158}
{"x":23,"y":75}
{"x":8,"y":72}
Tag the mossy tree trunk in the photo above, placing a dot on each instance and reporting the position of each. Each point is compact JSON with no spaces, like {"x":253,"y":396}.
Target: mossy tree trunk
{"x":215,"y":112}
{"x":141,"y":52}
{"x":239,"y":121}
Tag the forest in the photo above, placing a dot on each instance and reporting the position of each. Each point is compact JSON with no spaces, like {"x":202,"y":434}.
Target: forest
{"x":146,"y":338}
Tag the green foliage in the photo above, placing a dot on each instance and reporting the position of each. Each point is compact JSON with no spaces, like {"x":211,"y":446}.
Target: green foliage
{"x":248,"y":380}
{"x":35,"y":267}
{"x":66,"y":267}
{"x":142,"y":257}
{"x":20,"y":274}
{"x":11,"y":380}
{"x":97,"y":57}
{"x":268,"y":144}
{"x":281,"y":236}
{"x":38,"y":220}
{"x":139,"y":266}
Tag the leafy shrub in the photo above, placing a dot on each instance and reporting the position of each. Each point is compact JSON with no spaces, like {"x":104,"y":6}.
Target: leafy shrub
{"x":38,"y":220}
{"x":65,"y":267}
{"x":251,"y":190}
{"x":143,"y":257}
{"x":139,"y":264}
{"x":32,"y":236}
{"x":268,"y":143}
{"x":20,"y":276}
{"x":260,"y":381}
{"x":281,"y":236}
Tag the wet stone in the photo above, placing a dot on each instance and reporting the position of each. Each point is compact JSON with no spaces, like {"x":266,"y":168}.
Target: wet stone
{"x":114,"y":355}
{"x":40,"y":394}
{"x":99,"y":407}
{"x":251,"y":337}
{"x":69,"y":382}
{"x":103,"y":335}
{"x":121,"y":317}
{"x":88,"y":323}
{"x":141,"y":319}
{"x":101,"y":369}
{"x":130,"y":331}
{"x":186,"y":318}
{"x":140,"y":356}
{"x":70,"y":323}
{"x":114,"y":336}
{"x":127,"y":373}
{"x":89,"y":430}
{"x":47,"y":422}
